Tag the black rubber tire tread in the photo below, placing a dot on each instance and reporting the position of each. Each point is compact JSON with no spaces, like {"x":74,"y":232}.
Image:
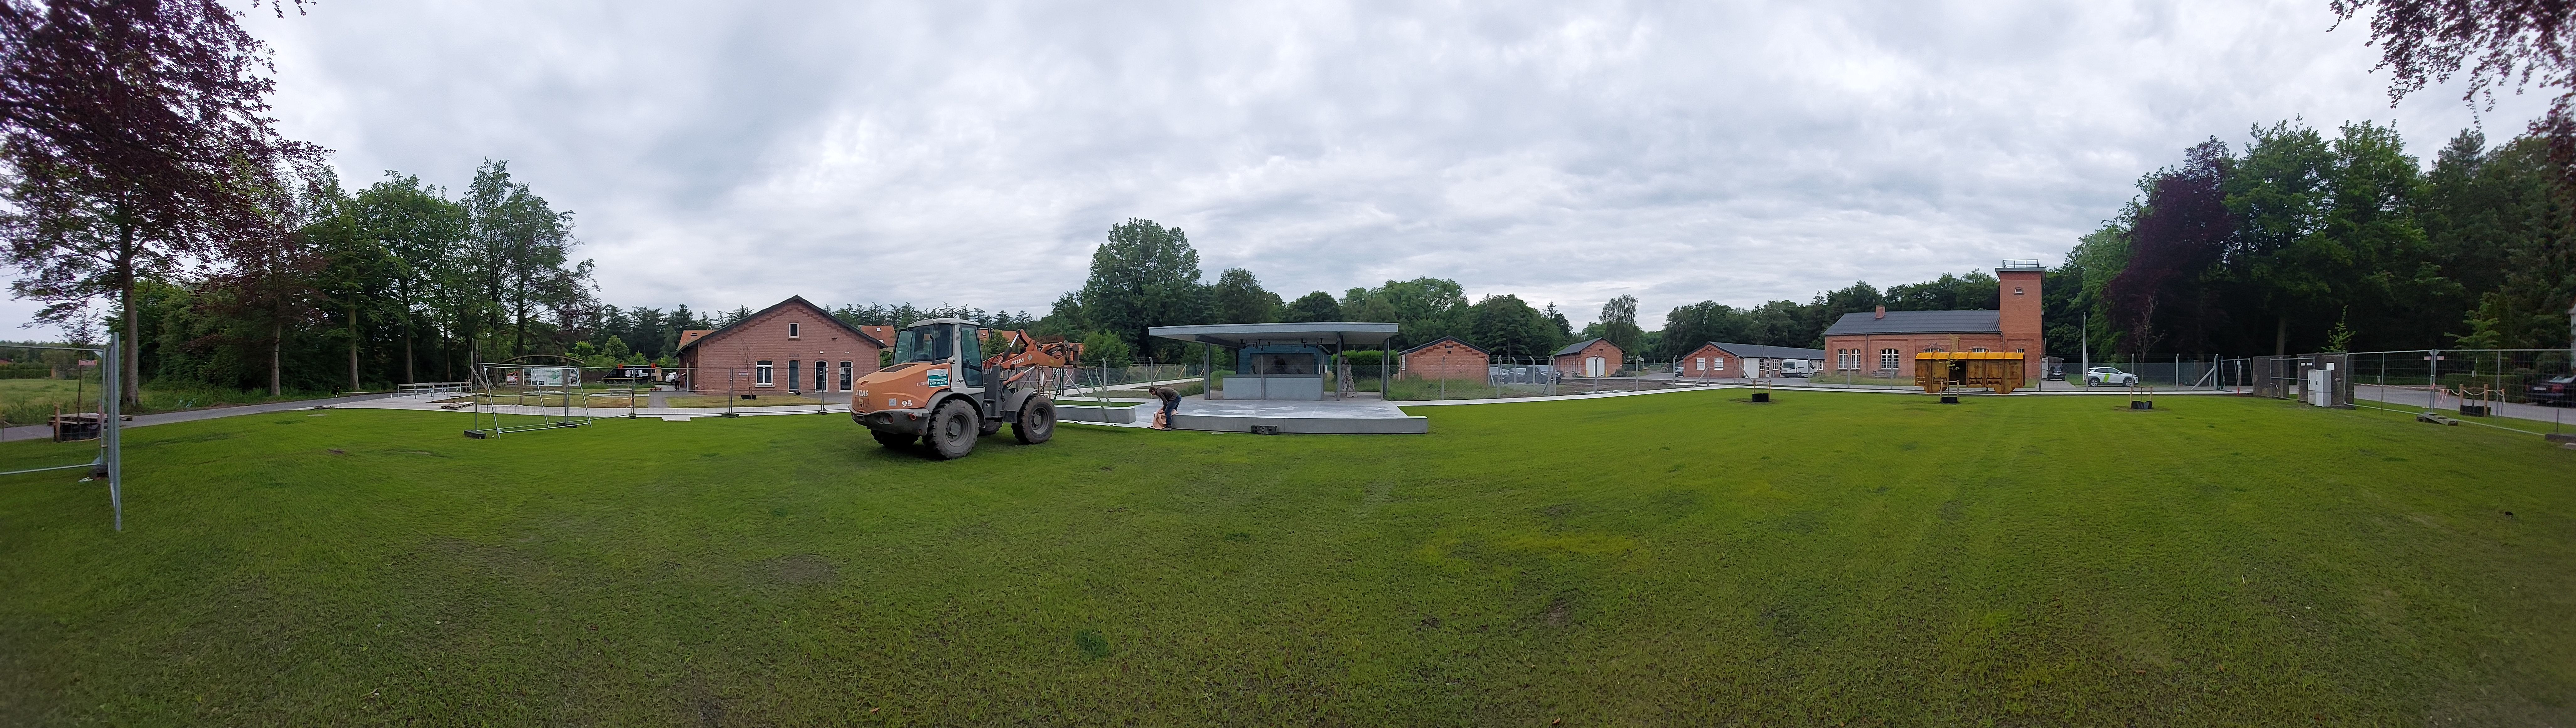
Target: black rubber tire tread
{"x":951,"y":434}
{"x":1036,"y":421}
{"x":889,"y":439}
{"x":987,"y":428}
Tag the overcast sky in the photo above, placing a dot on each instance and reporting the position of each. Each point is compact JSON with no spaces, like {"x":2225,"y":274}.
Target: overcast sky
{"x":722,"y":154}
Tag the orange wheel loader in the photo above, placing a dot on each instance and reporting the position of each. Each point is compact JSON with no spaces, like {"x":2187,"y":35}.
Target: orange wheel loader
{"x":943,"y":392}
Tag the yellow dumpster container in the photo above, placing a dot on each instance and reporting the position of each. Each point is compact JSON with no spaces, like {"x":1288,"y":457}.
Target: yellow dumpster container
{"x":2000,"y":371}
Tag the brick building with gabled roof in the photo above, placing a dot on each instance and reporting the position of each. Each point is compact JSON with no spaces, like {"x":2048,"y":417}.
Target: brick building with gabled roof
{"x":1445,"y":358}
{"x":792,"y":346}
{"x":1589,"y":358}
{"x":1883,"y":342}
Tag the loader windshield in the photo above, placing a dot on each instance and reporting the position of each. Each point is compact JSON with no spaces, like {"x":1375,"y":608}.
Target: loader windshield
{"x":925,"y":343}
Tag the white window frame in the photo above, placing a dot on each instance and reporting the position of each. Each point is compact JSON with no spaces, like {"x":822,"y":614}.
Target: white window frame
{"x":764,"y":373}
{"x":791,"y":331}
{"x":1887,"y":359}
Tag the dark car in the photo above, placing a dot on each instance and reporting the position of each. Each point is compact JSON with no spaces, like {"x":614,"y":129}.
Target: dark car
{"x":2558,"y":391}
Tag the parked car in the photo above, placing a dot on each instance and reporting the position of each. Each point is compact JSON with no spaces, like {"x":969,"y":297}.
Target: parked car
{"x":2556,"y":391}
{"x":2109,"y":377}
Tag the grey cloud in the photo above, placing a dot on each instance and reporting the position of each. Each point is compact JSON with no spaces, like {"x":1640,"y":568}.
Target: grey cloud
{"x":973,"y":153}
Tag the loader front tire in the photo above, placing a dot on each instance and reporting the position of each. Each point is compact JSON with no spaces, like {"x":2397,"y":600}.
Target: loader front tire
{"x":1036,"y":422}
{"x":952,"y":431}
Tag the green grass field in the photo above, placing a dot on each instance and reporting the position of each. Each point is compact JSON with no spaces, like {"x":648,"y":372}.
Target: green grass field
{"x":1682,"y":559}
{"x":30,"y":401}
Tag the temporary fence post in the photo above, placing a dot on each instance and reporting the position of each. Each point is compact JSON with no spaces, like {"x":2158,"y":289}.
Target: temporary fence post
{"x":2433,"y":379}
{"x":110,"y":436}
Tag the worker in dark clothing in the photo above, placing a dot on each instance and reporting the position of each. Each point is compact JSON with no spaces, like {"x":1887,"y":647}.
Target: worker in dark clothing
{"x":1171,"y":402}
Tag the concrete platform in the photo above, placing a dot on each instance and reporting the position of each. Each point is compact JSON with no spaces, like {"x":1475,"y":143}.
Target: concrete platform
{"x":1300,"y":417}
{"x":1115,"y":414}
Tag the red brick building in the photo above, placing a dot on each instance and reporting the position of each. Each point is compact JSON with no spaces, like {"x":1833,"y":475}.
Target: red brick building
{"x":1445,"y":358}
{"x":793,"y":346}
{"x":1883,"y":343}
{"x":1589,"y":358}
{"x":1719,"y":360}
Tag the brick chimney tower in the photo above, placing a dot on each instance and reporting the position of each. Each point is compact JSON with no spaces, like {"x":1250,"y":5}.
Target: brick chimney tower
{"x":2019,"y":309}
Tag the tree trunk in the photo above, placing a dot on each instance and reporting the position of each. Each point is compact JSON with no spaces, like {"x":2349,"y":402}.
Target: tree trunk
{"x":276,"y":348}
{"x":407,"y":355}
{"x":129,"y":366}
{"x":353,"y":344}
{"x":2281,"y":337}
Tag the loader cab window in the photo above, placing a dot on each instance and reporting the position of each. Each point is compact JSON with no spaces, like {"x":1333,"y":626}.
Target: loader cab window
{"x":925,"y":343}
{"x":970,"y":357}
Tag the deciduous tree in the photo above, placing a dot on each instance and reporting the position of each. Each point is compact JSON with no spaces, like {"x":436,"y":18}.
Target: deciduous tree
{"x":134,"y":134}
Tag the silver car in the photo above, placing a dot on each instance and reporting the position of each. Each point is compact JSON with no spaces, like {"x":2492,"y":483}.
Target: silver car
{"x":2109,"y":377}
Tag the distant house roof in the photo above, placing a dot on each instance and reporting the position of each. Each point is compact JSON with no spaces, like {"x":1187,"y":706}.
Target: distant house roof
{"x":1449,"y":339}
{"x":1760,"y":351}
{"x":687,"y":341}
{"x":1918,"y":322}
{"x":1577,"y":347}
{"x":691,"y":336}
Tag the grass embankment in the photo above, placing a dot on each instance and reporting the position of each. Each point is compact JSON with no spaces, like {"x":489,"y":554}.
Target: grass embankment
{"x":30,"y":401}
{"x":1674,"y":560}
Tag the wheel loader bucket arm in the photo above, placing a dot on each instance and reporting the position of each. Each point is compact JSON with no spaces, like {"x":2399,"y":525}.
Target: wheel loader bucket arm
{"x":1028,"y":353}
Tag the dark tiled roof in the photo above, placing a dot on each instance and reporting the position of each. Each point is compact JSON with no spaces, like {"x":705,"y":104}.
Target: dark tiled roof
{"x":1918,"y":322}
{"x":827,"y":320}
{"x":1445,"y":339}
{"x":1759,"y":351}
{"x":1577,"y":347}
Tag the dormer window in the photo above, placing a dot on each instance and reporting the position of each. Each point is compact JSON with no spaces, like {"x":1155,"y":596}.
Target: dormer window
{"x":791,"y":328}
{"x":2016,"y":290}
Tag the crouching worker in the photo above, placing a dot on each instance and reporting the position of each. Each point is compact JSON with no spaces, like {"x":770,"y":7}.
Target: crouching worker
{"x":1171,"y":401}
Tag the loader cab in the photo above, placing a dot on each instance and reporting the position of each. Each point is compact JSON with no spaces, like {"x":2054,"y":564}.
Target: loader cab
{"x":956,"y":342}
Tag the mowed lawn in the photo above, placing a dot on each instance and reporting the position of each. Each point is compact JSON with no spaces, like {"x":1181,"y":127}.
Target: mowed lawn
{"x":1677,"y":559}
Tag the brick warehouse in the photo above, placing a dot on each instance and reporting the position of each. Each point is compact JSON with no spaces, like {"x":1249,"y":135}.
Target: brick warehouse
{"x":1589,"y":358}
{"x":1720,"y":360}
{"x":1883,"y":343}
{"x":792,"y":346}
{"x":1445,"y":358}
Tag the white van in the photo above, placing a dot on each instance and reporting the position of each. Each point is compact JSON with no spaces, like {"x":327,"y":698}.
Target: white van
{"x":1797,"y":368}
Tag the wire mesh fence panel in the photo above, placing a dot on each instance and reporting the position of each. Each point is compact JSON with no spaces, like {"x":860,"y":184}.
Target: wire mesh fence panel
{"x":101,"y":422}
{"x":53,"y":386}
{"x":2529,"y":385}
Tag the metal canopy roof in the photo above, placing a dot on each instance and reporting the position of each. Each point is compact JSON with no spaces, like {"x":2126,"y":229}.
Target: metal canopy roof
{"x":1760,"y":351}
{"x":1236,"y":336}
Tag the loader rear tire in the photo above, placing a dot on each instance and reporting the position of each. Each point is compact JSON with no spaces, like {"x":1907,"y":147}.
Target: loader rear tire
{"x":952,"y":431}
{"x":1036,"y":422}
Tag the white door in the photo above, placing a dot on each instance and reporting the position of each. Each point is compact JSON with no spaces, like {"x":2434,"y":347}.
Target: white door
{"x":1752,"y":367}
{"x":1592,"y":366}
{"x":2320,"y":389}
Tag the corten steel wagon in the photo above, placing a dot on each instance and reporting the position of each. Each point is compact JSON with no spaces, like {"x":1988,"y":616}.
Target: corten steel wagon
{"x":1935,"y":371}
